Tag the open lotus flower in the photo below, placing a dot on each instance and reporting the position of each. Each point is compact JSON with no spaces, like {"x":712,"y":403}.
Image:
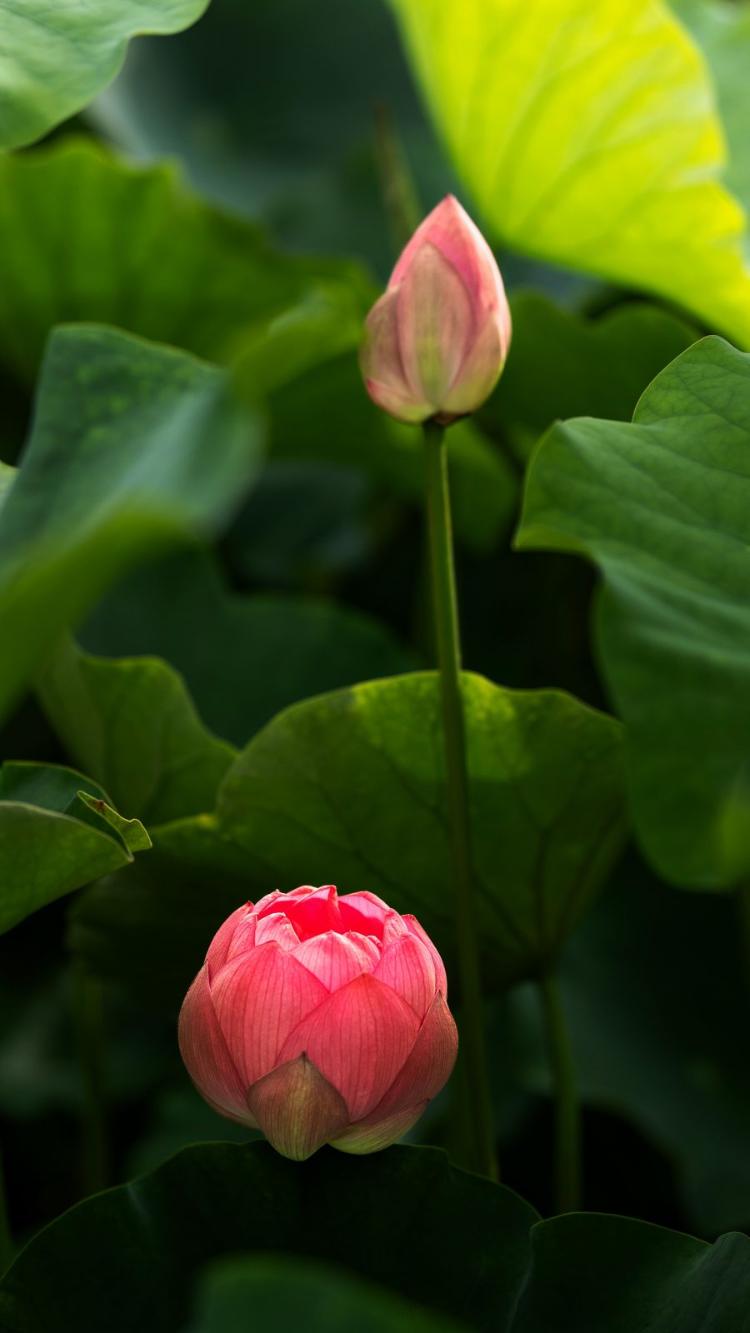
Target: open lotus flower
{"x":320,"y":1019}
{"x":436,"y":342}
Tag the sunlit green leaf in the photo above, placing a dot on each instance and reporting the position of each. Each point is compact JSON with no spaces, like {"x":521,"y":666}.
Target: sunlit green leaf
{"x":588,"y":135}
{"x":723,"y":31}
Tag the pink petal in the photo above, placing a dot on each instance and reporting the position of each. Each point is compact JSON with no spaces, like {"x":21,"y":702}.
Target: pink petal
{"x":314,"y":913}
{"x":371,"y":1135}
{"x":219,"y":947}
{"x":394,"y":928}
{"x":441,"y":979}
{"x":427,"y":1068}
{"x":297,"y":1108}
{"x":259,"y":999}
{"x":407,"y":967}
{"x":359,"y":1038}
{"x":435,"y":325}
{"x":451,"y":231}
{"x":479,"y":372}
{"x":403,"y":406}
{"x":206,"y":1054}
{"x":364,"y":912}
{"x":275,"y":927}
{"x":337,"y":959}
{"x":380,"y":356}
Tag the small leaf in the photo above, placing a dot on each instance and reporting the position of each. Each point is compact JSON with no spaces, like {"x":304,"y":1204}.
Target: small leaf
{"x":56,"y":835}
{"x":349,"y":788}
{"x":134,"y":448}
{"x":56,"y":58}
{"x":589,"y":137}
{"x":131,"y":831}
{"x":662,"y":506}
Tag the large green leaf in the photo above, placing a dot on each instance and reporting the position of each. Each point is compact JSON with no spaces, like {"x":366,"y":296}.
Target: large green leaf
{"x":662,"y":506}
{"x":456,"y":1244}
{"x":132,"y":725}
{"x":247,"y":1295}
{"x":588,"y":136}
{"x":58,"y":831}
{"x":57,"y":57}
{"x":406,"y":1219}
{"x":349,"y":788}
{"x":254,"y":654}
{"x":180,"y":272}
{"x":134,"y":447}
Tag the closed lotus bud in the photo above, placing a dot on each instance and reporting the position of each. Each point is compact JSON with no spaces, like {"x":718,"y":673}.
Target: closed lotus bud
{"x":319,"y":1019}
{"x":436,"y":342}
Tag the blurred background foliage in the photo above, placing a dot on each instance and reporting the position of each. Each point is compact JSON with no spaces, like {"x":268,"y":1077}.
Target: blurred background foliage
{"x":230,"y":194}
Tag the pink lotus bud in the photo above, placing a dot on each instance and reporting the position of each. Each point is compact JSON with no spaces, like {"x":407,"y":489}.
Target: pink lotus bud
{"x":436,"y":342}
{"x":319,"y":1019}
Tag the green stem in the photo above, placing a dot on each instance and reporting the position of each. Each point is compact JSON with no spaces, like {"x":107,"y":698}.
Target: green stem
{"x":88,"y":1009}
{"x":399,"y":192}
{"x":445,"y":605}
{"x":567,"y":1111}
{"x":7,"y":1249}
{"x":743,"y":909}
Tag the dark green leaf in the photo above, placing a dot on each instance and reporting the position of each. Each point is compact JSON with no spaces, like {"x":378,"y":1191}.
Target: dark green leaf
{"x":147,"y":932}
{"x":563,"y":365}
{"x":273,"y":117}
{"x":57,"y":832}
{"x":612,"y":1275}
{"x":349,"y":788}
{"x":56,"y":58}
{"x":326,"y":414}
{"x":134,"y":448}
{"x":252,"y":655}
{"x":662,"y":506}
{"x":455,"y":1243}
{"x":260,"y":1295}
{"x":406,"y":1219}
{"x":132,"y":724}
